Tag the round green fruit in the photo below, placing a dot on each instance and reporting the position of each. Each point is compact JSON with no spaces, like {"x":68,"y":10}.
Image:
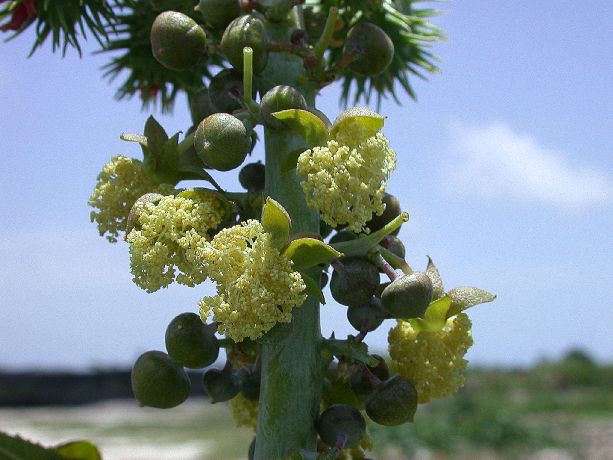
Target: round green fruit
{"x":177,"y":42}
{"x":341,"y":423}
{"x":392,"y":210}
{"x":408,"y":296}
{"x":252,"y":177}
{"x":279,"y":98}
{"x":355,"y":282}
{"x":222,"y":141}
{"x":393,"y":244}
{"x":219,"y":13}
{"x":190,"y":343}
{"x":393,"y":402}
{"x":220,"y":385}
{"x":366,"y":317}
{"x":159,"y":381}
{"x":245,"y":31}
{"x":372,"y":48}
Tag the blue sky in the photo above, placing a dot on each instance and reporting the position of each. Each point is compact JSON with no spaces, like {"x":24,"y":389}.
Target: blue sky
{"x":505,"y":165}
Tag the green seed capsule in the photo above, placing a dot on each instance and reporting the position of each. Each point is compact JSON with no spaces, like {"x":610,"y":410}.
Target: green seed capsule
{"x":222,"y":141}
{"x":190,"y":343}
{"x":341,"y":424}
{"x":226,"y":91}
{"x":279,"y":98}
{"x":373,"y":49}
{"x":394,"y":245}
{"x":219,"y":13}
{"x":393,"y":402}
{"x":249,"y":384}
{"x":368,"y":316}
{"x":220,"y":385}
{"x":241,"y":32}
{"x":392,"y":210}
{"x":408,"y":296}
{"x":252,"y":177}
{"x":177,"y":42}
{"x":159,"y":381}
{"x":200,"y":106}
{"x":355,"y":283}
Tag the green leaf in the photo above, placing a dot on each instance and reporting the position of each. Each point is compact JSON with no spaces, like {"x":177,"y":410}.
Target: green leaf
{"x":79,"y":450}
{"x":276,"y":221}
{"x":305,"y":124}
{"x":369,"y":120}
{"x":17,"y":448}
{"x":351,"y":350}
{"x":437,"y":283}
{"x":308,"y":252}
{"x":155,"y":134}
{"x":313,"y":288}
{"x":466,"y":297}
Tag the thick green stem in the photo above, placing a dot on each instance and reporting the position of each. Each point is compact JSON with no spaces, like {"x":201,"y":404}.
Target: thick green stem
{"x":290,"y":391}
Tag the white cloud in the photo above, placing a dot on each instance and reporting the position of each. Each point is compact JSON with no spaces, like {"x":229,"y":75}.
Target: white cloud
{"x":498,"y":162}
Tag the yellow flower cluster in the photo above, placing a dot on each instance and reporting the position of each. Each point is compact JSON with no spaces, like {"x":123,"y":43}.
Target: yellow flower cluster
{"x":359,"y":452}
{"x":244,"y":411}
{"x":165,"y":236}
{"x":346,"y":179}
{"x":432,"y":361}
{"x":120,"y":183}
{"x":256,"y":287}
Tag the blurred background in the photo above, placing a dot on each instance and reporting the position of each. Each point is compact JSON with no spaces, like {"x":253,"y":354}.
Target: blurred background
{"x":505,"y":164}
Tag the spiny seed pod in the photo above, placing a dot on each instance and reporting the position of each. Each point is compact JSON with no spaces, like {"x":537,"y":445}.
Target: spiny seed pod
{"x":408,"y":296}
{"x":253,"y":177}
{"x":341,"y":424}
{"x":245,"y":31}
{"x":394,"y":245}
{"x":354,"y":283}
{"x":368,"y":316}
{"x":177,"y":42}
{"x":279,"y":98}
{"x":220,"y":385}
{"x":393,"y":402}
{"x":159,"y":381}
{"x":226,"y":91}
{"x":219,"y":13}
{"x":392,"y":210}
{"x":249,"y":384}
{"x":200,"y":106}
{"x":372,"y":48}
{"x":190,"y":343}
{"x":222,"y":141}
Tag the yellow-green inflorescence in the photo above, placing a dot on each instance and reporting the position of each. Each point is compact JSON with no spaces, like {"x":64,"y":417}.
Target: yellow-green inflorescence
{"x":346,"y":179}
{"x":120,"y":183}
{"x":256,"y":286}
{"x":166,"y":235}
{"x":432,"y":360}
{"x":244,"y":411}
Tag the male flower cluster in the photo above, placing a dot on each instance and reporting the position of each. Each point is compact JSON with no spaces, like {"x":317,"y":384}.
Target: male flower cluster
{"x":346,"y":179}
{"x":432,"y":360}
{"x":120,"y":183}
{"x":256,"y":287}
{"x":244,"y":411}
{"x":165,"y":234}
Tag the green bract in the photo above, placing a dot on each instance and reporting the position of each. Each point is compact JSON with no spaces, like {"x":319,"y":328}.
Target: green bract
{"x":245,"y":31}
{"x":177,"y":42}
{"x":372,"y":48}
{"x":159,"y":381}
{"x":190,"y":343}
{"x":222,"y":141}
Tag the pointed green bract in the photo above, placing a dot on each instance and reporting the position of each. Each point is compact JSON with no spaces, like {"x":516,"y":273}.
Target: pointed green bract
{"x":369,"y":121}
{"x":305,"y":124}
{"x":79,"y":450}
{"x":313,"y":288}
{"x":308,"y":252}
{"x":466,"y":297}
{"x":276,"y":221}
{"x":438,"y":289}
